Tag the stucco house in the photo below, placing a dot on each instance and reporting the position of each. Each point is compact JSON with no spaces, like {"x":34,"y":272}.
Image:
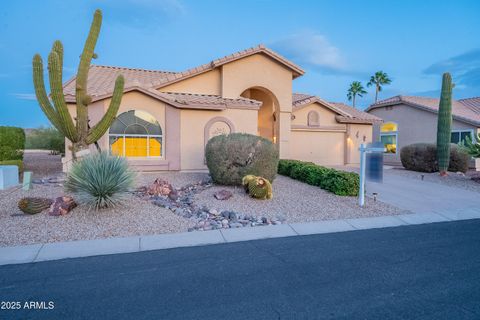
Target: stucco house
{"x":166,"y":118}
{"x":412,"y":119}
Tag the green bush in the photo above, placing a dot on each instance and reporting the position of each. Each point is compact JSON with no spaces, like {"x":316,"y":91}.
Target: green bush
{"x":46,"y":139}
{"x":12,"y":143}
{"x":422,"y":157}
{"x":231,"y":157}
{"x":18,"y":163}
{"x":100,"y":180}
{"x":338,"y":182}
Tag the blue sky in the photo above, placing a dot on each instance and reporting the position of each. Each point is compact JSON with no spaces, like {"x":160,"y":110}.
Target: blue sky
{"x":336,"y":42}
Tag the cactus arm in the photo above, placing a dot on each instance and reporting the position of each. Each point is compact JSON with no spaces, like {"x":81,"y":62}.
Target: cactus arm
{"x":83,"y":99}
{"x":54,"y":72}
{"x":58,"y":48}
{"x":41,"y":93}
{"x":102,"y":126}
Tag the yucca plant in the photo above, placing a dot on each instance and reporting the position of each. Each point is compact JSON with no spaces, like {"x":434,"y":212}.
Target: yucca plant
{"x":100,"y":181}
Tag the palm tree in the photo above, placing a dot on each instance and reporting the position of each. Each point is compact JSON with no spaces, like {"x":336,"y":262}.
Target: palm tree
{"x":378,"y":79}
{"x":356,"y":89}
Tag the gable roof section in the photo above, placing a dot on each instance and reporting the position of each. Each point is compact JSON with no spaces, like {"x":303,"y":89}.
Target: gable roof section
{"x":101,"y":79}
{"x":345,"y":114}
{"x":465,"y":110}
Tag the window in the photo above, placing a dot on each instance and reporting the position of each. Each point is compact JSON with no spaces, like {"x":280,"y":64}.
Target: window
{"x":388,"y":136}
{"x":460,"y":135}
{"x":136,"y":134}
{"x":313,"y":119}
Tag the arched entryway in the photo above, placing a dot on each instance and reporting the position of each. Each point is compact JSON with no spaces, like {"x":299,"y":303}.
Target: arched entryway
{"x":268,"y":116}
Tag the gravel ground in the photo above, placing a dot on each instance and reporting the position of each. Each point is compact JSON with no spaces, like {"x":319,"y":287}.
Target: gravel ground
{"x":457,"y":180}
{"x":42,"y":164}
{"x":138,"y":217}
{"x":297,"y":202}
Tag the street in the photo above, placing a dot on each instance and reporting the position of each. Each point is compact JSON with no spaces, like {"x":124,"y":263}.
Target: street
{"x":427,"y":271}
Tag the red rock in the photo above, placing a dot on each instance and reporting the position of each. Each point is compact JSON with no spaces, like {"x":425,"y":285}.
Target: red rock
{"x":223,"y":195}
{"x":61,"y":206}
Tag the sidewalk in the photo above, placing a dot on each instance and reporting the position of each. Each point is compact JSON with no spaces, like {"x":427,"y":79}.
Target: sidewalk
{"x":85,"y":248}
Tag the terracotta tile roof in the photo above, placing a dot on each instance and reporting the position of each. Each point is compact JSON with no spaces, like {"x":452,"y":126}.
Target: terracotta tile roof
{"x":101,"y":79}
{"x":355,"y":115}
{"x":472,"y":103}
{"x":466,"y":110}
{"x":190,"y":100}
{"x":346,"y":114}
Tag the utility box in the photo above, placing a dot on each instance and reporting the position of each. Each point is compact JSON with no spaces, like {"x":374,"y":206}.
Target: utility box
{"x":8,"y":177}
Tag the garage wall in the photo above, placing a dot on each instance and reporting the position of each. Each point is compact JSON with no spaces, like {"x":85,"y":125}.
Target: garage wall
{"x":320,"y":147}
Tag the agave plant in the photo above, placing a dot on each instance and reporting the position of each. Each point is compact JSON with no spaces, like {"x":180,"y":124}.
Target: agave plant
{"x":100,"y":181}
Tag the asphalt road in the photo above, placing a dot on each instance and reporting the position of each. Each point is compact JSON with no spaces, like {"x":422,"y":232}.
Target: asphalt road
{"x":414,"y":272}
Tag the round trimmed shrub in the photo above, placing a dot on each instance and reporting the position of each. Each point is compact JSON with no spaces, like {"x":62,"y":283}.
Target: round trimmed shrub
{"x":419,"y":157}
{"x":422,"y":157}
{"x":233,"y":156}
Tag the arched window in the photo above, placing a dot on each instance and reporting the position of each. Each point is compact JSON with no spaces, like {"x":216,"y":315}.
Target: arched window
{"x":136,"y":134}
{"x":389,"y":136}
{"x":313,"y":119}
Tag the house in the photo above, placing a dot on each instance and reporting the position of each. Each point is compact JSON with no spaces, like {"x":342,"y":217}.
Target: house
{"x":411,"y":119}
{"x":166,"y":118}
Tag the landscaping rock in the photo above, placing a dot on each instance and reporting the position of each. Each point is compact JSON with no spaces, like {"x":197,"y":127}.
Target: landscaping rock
{"x":223,"y":195}
{"x":61,"y":206}
{"x":160,"y":187}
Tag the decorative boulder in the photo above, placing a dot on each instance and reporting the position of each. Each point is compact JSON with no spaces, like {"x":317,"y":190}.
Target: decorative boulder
{"x":160,"y":187}
{"x":61,"y":206}
{"x":223,"y":195}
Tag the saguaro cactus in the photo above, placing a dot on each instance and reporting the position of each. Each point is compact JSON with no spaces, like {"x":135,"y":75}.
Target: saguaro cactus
{"x":78,"y":132}
{"x":444,"y":124}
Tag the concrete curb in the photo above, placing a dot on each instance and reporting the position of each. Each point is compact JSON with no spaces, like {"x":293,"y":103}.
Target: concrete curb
{"x":86,"y":248}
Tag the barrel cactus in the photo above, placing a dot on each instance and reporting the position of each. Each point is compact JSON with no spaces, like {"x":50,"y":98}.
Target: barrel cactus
{"x":246,"y":181}
{"x":79,"y":133}
{"x":32,"y":205}
{"x":260,"y":188}
{"x":444,"y":127}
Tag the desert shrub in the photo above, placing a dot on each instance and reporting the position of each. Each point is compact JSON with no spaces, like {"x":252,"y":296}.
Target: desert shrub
{"x":12,"y":143}
{"x":231,"y":157}
{"x":419,"y":157}
{"x":422,"y":157}
{"x":100,"y":180}
{"x":45,"y":138}
{"x":338,"y":182}
{"x":459,"y":159}
{"x":18,"y":163}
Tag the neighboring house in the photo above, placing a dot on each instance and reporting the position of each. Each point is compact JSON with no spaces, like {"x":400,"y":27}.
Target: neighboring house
{"x":166,"y":118}
{"x":410,"y":119}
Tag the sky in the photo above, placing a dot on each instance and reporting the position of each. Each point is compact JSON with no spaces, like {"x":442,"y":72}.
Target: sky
{"x":335,"y":42}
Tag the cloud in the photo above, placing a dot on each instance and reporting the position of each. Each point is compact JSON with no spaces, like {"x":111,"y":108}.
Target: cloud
{"x":313,"y":50}
{"x":24,"y":96}
{"x":465,"y":69}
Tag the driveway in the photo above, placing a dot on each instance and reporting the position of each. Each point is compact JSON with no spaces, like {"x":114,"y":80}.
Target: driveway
{"x":410,"y":272}
{"x":422,"y":196}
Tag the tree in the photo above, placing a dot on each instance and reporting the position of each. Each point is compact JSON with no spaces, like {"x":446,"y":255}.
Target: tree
{"x":444,"y":126}
{"x":379,"y":79}
{"x":356,"y":89}
{"x":79,"y":132}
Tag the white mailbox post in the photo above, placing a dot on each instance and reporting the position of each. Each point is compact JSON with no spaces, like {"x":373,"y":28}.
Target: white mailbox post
{"x":364,"y":149}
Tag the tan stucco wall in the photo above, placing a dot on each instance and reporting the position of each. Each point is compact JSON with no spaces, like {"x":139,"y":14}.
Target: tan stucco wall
{"x":205,"y":83}
{"x":327,"y":116}
{"x":193,"y":124}
{"x":356,"y":135}
{"x":261,"y":71}
{"x":324,"y":148}
{"x":414,"y":126}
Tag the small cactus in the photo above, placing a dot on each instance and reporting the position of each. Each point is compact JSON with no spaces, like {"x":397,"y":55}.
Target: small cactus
{"x":34,"y":205}
{"x":260,"y":188}
{"x":246,"y":181}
